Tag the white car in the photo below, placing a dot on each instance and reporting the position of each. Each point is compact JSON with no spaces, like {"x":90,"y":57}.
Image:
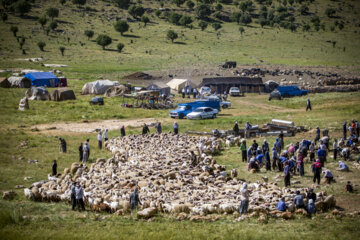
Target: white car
{"x":205,"y":90}
{"x":234,"y":91}
{"x":202,"y":113}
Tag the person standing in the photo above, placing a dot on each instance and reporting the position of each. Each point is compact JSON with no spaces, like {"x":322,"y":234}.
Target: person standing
{"x":134,"y":200}
{"x":183,"y":93}
{"x":300,"y":164}
{"x":287,"y":174}
{"x":247,"y":129}
{"x":73,"y":195}
{"x":321,"y":156}
{"x":145,"y":129}
{"x":243,"y":151}
{"x":105,"y":135}
{"x":194,"y":93}
{"x":99,"y":138}
{"x":236,"y":129}
{"x":281,"y":139}
{"x":188,"y":91}
{"x":79,"y":194}
{"x":275,"y":158}
{"x":308,"y":104}
{"x":344,"y":130}
{"x":122,"y":131}
{"x":316,"y":167}
{"x":357,"y":126}
{"x":244,"y":198}
{"x":312,"y":152}
{"x":265,"y":146}
{"x":86,"y":151}
{"x":335,"y":147}
{"x":267,"y":161}
{"x":158,"y":128}
{"x":62,"y":145}
{"x":317,"y":137}
{"x":176,"y":128}
{"x":81,"y":153}
{"x":54,"y":168}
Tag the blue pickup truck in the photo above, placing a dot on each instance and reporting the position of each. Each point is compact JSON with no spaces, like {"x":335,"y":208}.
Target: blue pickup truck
{"x":290,"y":91}
{"x":184,"y":109}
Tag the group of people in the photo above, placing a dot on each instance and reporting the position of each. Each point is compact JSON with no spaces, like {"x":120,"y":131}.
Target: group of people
{"x":299,"y":202}
{"x":158,"y":128}
{"x":187,"y":91}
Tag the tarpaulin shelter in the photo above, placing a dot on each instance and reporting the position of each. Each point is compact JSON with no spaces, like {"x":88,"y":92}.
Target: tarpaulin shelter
{"x":46,"y":79}
{"x":177,"y":84}
{"x":98,"y":86}
{"x":62,"y":94}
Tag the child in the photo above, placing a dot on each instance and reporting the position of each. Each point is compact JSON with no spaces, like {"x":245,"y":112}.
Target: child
{"x":349,"y":187}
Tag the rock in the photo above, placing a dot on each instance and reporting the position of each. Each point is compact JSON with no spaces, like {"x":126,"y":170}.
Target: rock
{"x":147,"y":213}
{"x":9,"y":195}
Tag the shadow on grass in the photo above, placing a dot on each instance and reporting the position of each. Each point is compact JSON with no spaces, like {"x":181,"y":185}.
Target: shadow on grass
{"x":64,"y":22}
{"x":131,"y":36}
{"x":29,"y":17}
{"x":111,"y":50}
{"x":180,"y":43}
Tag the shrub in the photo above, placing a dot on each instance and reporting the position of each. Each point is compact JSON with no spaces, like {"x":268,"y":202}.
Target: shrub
{"x":190,"y":4}
{"x":203,"y":25}
{"x":304,"y":10}
{"x":136,"y":11}
{"x":103,"y":40}
{"x":330,"y":12}
{"x":235,"y":17}
{"x":292,"y":27}
{"x":120,"y":46}
{"x":306,"y":27}
{"x":216,"y":26}
{"x":218,"y":7}
{"x":121,"y":26}
{"x":42,"y":20}
{"x":332,"y":28}
{"x":41,"y":45}
{"x":172,"y":35}
{"x":247,"y":6}
{"x":179,"y":2}
{"x":145,"y":20}
{"x":62,"y":2}
{"x":263,"y":22}
{"x":22,"y":7}
{"x":14,"y":30}
{"x":124,"y":4}
{"x":89,"y":33}
{"x":202,"y":11}
{"x":79,"y":2}
{"x":174,"y":18}
{"x":245,"y":19}
{"x":62,"y":50}
{"x":185,"y":20}
{"x":4,"y":16}
{"x":217,"y":15}
{"x":53,"y":25}
{"x":52,"y":12}
{"x":341,"y":25}
{"x":157,"y":12}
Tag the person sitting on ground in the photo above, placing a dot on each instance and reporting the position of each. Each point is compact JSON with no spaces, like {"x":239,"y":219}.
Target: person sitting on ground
{"x":329,"y":177}
{"x":253,"y":164}
{"x":311,"y":195}
{"x":310,"y":208}
{"x":244,"y":197}
{"x":349,"y":142}
{"x":343,"y":167}
{"x":349,"y":187}
{"x":54,"y":168}
{"x":134,"y":200}
{"x":281,"y":206}
{"x":299,"y":200}
{"x":345,"y":153}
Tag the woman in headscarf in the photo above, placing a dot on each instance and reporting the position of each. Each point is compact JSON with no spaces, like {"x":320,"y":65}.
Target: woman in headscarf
{"x":244,"y":197}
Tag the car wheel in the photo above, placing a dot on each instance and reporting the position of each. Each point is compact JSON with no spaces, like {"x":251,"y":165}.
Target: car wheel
{"x":225,"y":106}
{"x":181,"y":116}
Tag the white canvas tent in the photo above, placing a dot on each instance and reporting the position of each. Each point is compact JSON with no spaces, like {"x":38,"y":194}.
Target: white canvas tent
{"x":98,"y":87}
{"x":178,"y":84}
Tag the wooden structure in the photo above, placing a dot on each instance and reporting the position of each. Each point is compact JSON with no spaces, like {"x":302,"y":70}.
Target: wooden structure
{"x":245,"y":84}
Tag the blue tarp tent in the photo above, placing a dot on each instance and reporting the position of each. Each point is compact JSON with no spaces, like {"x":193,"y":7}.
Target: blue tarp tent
{"x":39,"y":79}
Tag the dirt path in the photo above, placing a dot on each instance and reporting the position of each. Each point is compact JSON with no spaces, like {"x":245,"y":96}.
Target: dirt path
{"x":89,"y":127}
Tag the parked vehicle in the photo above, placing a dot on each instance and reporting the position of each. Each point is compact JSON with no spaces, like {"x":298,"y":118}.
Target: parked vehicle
{"x":234,"y":91}
{"x":97,"y":101}
{"x":205,"y":90}
{"x":184,"y":109}
{"x":291,"y":91}
{"x":275,"y":95}
{"x":223,"y":104}
{"x":203,"y":113}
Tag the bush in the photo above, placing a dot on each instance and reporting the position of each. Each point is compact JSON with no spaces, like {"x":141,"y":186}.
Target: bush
{"x":292,"y":27}
{"x":62,"y":2}
{"x":4,"y":17}
{"x":330,"y":12}
{"x":304,"y":10}
{"x":235,"y":17}
{"x":145,"y":20}
{"x":120,"y":46}
{"x":157,"y":12}
{"x":62,"y":50}
{"x":123,"y":4}
{"x":172,"y":35}
{"x":245,"y":19}
{"x":89,"y":33}
{"x":42,"y":20}
{"x":174,"y":18}
{"x":263,"y":22}
{"x":185,"y":20}
{"x":216,"y":26}
{"x":136,"y":11}
{"x":332,"y":28}
{"x":179,"y":2}
{"x":202,"y":11}
{"x":79,"y":2}
{"x":218,"y":7}
{"x":14,"y":30}
{"x":247,"y":6}
{"x":41,"y":45}
{"x":190,"y":4}
{"x":53,"y":25}
{"x":203,"y":25}
{"x":52,"y":12}
{"x":281,"y":9}
{"x":121,"y":26}
{"x":241,"y":30}
{"x":103,"y":40}
{"x":341,"y":25}
{"x":22,"y":7}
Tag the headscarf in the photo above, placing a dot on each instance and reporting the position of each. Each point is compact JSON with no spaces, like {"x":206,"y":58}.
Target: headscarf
{"x":311,"y":201}
{"x":244,"y":186}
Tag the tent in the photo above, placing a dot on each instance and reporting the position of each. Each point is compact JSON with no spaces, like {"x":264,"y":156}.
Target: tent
{"x":98,"y":87}
{"x":117,"y":91}
{"x":161,"y":87}
{"x":37,"y":93}
{"x":178,"y":84}
{"x":62,"y":94}
{"x":38,"y":79}
{"x":20,"y":82}
{"x":4,"y":83}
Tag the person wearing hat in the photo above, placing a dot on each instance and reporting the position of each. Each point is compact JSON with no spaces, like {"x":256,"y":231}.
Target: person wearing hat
{"x":244,"y":198}
{"x":134,"y":200}
{"x":299,"y":200}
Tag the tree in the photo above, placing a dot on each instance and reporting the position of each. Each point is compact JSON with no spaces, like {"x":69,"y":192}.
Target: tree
{"x":190,"y":4}
{"x":21,"y":42}
{"x":120,"y":47}
{"x":174,"y":18}
{"x":304,"y":10}
{"x":62,"y":50}
{"x":245,"y":19}
{"x":330,"y":12}
{"x":247,"y":6}
{"x":241,"y":30}
{"x":123,"y":4}
{"x":41,"y":45}
{"x":235,"y":17}
{"x":89,"y":33}
{"x":121,"y":26}
{"x":53,"y":25}
{"x":203,"y":25}
{"x":179,"y":2}
{"x":202,"y":11}
{"x":22,"y":7}
{"x":172,"y":35}
{"x":218,"y":7}
{"x":42,"y":20}
{"x":4,"y":16}
{"x":103,"y":40}
{"x":52,"y":13}
{"x":79,"y":2}
{"x":62,"y":2}
{"x":145,"y":19}
{"x":136,"y":11}
{"x":306,"y":27}
{"x":185,"y":20}
{"x":216,"y":26}
{"x":14,"y":30}
{"x":263,"y":22}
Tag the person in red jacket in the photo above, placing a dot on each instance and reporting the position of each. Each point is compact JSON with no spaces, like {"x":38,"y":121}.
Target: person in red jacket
{"x":316,"y":167}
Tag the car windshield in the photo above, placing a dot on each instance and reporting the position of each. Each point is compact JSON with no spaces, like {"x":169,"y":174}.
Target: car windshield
{"x":181,"y":108}
{"x":234,"y":88}
{"x":199,"y":110}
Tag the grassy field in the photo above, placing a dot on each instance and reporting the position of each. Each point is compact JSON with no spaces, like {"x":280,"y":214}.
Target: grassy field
{"x":21,"y":218}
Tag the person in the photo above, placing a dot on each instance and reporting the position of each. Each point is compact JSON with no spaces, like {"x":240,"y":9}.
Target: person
{"x":188,"y":91}
{"x":145,"y":129}
{"x":299,"y":200}
{"x":277,"y":145}
{"x":244,"y":198}
{"x":287,"y":174}
{"x":73,"y":195}
{"x":342,"y":167}
{"x":81,"y":154}
{"x":317,"y":136}
{"x":310,"y":208}
{"x":54,"y":168}
{"x":236,"y":129}
{"x":99,"y":138}
{"x":243,"y":151}
{"x":344,"y":130}
{"x":254,"y":146}
{"x":311,"y":195}
{"x":193,"y":159}
{"x":176,"y":128}
{"x":253,"y":164}
{"x":194,"y":93}
{"x":281,"y":206}
{"x":105,"y":135}
{"x":183,"y":93}
{"x":300,"y":164}
{"x":86,"y":151}
{"x":328,"y":176}
{"x":158,"y":128}
{"x":281,"y":139}
{"x":62,"y":145}
{"x":357,"y":126}
{"x":134,"y":200}
{"x":312,"y":152}
{"x":349,"y":187}
{"x":249,"y":152}
{"x":122,"y":131}
{"x":79,"y":195}
{"x":316,"y":167}
{"x":291,"y":149}
{"x":321,"y":156}
{"x":225,"y":96}
{"x":345,"y":152}
{"x":335,"y":147}
{"x":265,"y":146}
{"x":247,"y":129}
{"x":267,"y":161}
{"x":275,"y":158}
{"x":308,"y":104}
{"x":259,"y":159}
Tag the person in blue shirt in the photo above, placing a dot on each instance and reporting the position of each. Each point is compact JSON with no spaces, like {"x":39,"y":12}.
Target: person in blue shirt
{"x":321,"y":156}
{"x":317,"y":137}
{"x":249,"y":152}
{"x":310,"y":208}
{"x":259,"y":159}
{"x":343,"y":166}
{"x":281,"y":161}
{"x":281,"y":206}
{"x":299,"y":200}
